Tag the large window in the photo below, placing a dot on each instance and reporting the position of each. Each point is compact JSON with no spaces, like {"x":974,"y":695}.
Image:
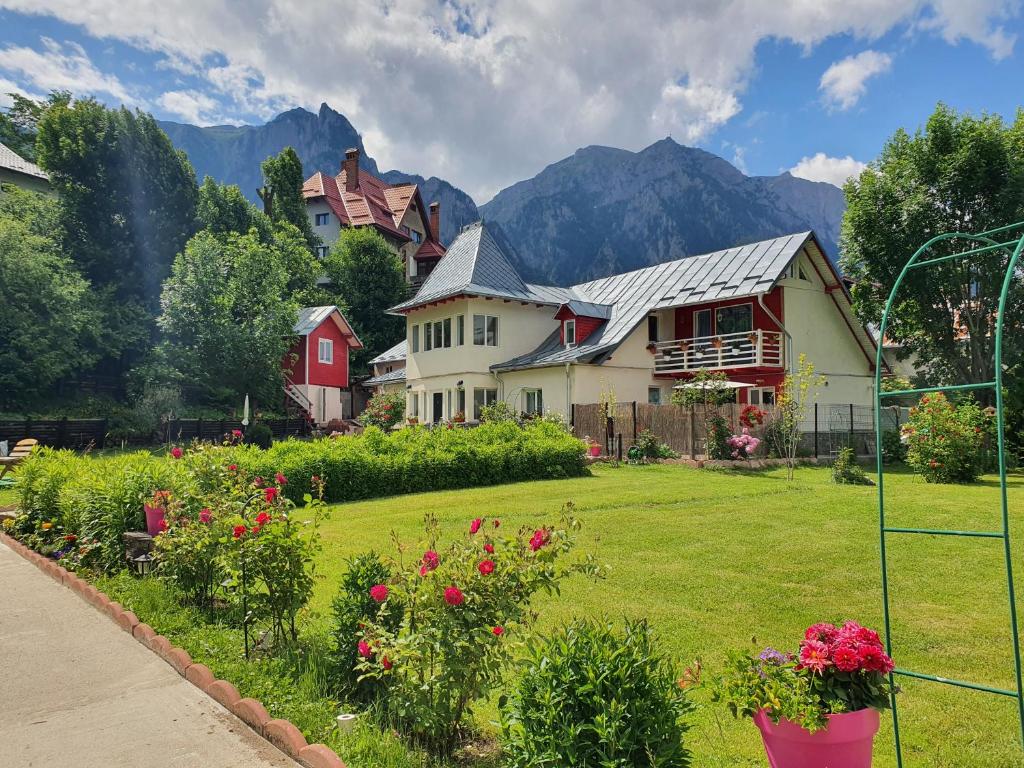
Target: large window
{"x":414,"y":335}
{"x":325,"y":351}
{"x":736,"y":319}
{"x":570,"y":333}
{"x":428,"y":337}
{"x":702,"y":323}
{"x":460,"y":330}
{"x":461,"y":401}
{"x":481,"y":398}
{"x":485,"y":330}
{"x":533,"y":400}
{"x":414,"y":405}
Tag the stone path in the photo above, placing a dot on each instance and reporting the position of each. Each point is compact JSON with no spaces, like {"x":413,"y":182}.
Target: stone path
{"x":78,"y":692}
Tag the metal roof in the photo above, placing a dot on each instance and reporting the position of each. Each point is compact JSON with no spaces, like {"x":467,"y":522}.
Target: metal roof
{"x":310,"y":318}
{"x":391,"y":377}
{"x":397,"y":352}
{"x":12,"y":161}
{"x":587,"y":309}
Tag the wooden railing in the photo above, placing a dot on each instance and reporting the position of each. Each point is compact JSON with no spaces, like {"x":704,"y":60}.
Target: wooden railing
{"x":728,"y":350}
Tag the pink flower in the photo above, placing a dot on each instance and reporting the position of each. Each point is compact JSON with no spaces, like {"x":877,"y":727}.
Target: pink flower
{"x":453,"y":596}
{"x":176,"y":452}
{"x":281,"y":479}
{"x":270,"y":493}
{"x":424,"y":570}
{"x":874,"y":659}
{"x":386,"y":662}
{"x":431,"y":560}
{"x":205,"y":516}
{"x":489,"y":548}
{"x":236,"y":433}
{"x":258,"y":481}
{"x":162,"y":525}
{"x":364,"y":649}
{"x":845,"y":658}
{"x":486,"y":567}
{"x":475,"y":525}
{"x":379,"y":592}
{"x":238,"y":531}
{"x":825,"y":633}
{"x":814,"y":655}
{"x":498,"y":631}
{"x":540,"y":538}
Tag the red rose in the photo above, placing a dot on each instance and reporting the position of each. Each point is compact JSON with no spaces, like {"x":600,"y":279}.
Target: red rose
{"x":379,"y":592}
{"x":262,"y":518}
{"x":270,"y":493}
{"x":238,"y":531}
{"x":386,"y":662}
{"x":540,"y":538}
{"x":846,"y":659}
{"x":281,"y":479}
{"x":453,"y":596}
{"x":364,"y":649}
{"x":498,"y":631}
{"x":431,"y":560}
{"x":176,"y":452}
{"x":486,"y":567}
{"x":475,"y":525}
{"x":233,"y":467}
{"x":497,"y":523}
{"x":489,"y":548}
{"x":205,"y":516}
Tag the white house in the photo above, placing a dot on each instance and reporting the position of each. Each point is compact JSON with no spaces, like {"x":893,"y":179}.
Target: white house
{"x":478,"y":333}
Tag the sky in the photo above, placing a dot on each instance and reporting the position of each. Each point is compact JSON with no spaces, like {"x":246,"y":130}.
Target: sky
{"x":486,"y":93}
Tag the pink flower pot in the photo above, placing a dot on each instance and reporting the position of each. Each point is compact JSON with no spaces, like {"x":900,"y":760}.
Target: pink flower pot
{"x":845,"y":743}
{"x":154,"y":519}
{"x":595,"y":449}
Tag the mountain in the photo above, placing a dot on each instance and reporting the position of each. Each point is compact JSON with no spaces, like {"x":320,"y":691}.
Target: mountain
{"x":605,"y":210}
{"x":232,"y":155}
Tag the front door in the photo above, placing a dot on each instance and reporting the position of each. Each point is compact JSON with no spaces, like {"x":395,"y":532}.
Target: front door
{"x":438,"y":412}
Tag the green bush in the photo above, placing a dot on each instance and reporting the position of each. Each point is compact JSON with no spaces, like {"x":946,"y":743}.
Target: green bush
{"x":945,"y":442}
{"x":846,"y":470}
{"x":384,"y":410}
{"x":893,"y":448}
{"x":592,"y":696}
{"x":260,"y":436}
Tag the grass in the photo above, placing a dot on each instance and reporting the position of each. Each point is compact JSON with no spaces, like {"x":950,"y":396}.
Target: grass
{"x":718,"y":560}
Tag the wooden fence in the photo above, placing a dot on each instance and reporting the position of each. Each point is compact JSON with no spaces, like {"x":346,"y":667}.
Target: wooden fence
{"x":57,"y":433}
{"x":185,"y":430}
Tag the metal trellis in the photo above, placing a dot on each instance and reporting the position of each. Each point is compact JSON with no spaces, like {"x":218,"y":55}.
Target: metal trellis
{"x":916,"y":262}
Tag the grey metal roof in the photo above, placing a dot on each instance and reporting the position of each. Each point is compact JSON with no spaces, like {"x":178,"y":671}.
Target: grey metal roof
{"x":588,"y":309}
{"x":475,"y":264}
{"x":310,"y":318}
{"x":397,"y":352}
{"x":740,"y":271}
{"x":391,"y":377}
{"x":12,"y":161}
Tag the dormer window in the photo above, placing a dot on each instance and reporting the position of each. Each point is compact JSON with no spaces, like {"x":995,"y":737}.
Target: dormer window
{"x":569,"y":332}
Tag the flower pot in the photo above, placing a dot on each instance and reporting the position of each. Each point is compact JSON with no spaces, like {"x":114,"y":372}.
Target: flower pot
{"x":845,"y":743}
{"x":154,"y":519}
{"x":595,"y":449}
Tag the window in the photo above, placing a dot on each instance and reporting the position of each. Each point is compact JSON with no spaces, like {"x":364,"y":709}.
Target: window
{"x":321,"y":252}
{"x":321,"y":219}
{"x":461,"y":398}
{"x":415,"y":338}
{"x":460,"y":330}
{"x":416,"y":236}
{"x":762,"y":396}
{"x":447,"y":328}
{"x":414,"y":405}
{"x":481,"y":398}
{"x":533,"y":400}
{"x":654,"y":395}
{"x":570,"y":333}
{"x":428,"y":337}
{"x":702,"y":323}
{"x":485,"y":330}
{"x":325,"y":351}
{"x":737,"y":319}
{"x":652,"y":327}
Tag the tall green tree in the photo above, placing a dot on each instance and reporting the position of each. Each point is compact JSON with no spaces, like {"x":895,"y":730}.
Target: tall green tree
{"x":128,"y":205}
{"x":228,"y":317}
{"x":19,"y":123}
{"x":47,"y":316}
{"x":282,"y":193}
{"x":367,"y":277}
{"x":959,"y":173}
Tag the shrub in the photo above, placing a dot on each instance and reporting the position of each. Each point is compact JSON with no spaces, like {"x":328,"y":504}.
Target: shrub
{"x":590,"y":696}
{"x":846,"y":470}
{"x":499,"y":412}
{"x":743,"y":445}
{"x":384,"y":410}
{"x":718,"y":435}
{"x":260,"y":436}
{"x":944,"y":442}
{"x":893,"y":448}
{"x":465,"y":609}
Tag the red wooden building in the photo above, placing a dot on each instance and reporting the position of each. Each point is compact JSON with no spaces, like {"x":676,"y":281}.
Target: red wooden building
{"x":317,"y":365}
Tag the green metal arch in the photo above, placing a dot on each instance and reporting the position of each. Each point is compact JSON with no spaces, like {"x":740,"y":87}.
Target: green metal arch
{"x":1017,"y":243}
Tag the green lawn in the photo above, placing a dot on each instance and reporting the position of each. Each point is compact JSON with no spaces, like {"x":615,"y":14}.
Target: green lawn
{"x":715,"y":559}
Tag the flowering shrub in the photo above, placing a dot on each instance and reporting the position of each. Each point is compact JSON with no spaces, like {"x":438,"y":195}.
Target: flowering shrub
{"x":593,"y":696}
{"x":743,"y":445}
{"x":944,"y":442}
{"x":452,"y":619}
{"x":835,"y":670}
{"x":384,"y":410}
{"x":717,"y":437}
{"x":751,"y":416}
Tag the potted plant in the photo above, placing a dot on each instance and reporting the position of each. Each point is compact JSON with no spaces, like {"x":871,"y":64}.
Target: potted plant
{"x":593,"y":447}
{"x":412,"y":421}
{"x":818,"y":708}
{"x":156,"y":510}
{"x":652,"y":348}
{"x":459,"y":417}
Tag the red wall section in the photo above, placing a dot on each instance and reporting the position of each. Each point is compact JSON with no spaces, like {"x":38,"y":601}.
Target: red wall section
{"x":322,"y":374}
{"x":773,"y":299}
{"x":584,"y":325}
{"x":298,"y":368}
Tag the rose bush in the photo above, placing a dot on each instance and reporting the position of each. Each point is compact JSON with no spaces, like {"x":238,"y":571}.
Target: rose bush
{"x":384,"y":410}
{"x":945,"y":442}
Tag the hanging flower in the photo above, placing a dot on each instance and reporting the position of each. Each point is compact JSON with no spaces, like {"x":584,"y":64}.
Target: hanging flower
{"x":453,"y":596}
{"x":379,"y":592}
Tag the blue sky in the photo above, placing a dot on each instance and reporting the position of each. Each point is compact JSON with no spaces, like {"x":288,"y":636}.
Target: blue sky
{"x":488,"y":92}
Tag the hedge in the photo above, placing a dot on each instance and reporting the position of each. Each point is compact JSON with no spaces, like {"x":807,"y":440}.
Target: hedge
{"x":102,"y":497}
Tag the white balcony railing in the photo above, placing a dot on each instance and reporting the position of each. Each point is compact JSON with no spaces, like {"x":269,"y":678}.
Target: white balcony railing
{"x":727,"y":350}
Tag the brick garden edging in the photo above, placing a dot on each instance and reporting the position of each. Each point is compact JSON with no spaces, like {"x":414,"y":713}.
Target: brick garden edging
{"x":281,"y":733}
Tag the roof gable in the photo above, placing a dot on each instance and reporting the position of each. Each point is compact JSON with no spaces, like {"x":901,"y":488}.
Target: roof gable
{"x":311,"y":318}
{"x":12,"y":161}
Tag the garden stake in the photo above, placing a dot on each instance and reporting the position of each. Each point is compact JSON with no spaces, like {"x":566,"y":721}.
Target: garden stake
{"x":997,"y":384}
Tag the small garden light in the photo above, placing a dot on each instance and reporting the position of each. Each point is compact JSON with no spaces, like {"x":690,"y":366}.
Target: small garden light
{"x":143,"y":564}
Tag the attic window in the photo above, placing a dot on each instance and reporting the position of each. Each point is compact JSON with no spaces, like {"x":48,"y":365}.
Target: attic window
{"x":569,"y":332}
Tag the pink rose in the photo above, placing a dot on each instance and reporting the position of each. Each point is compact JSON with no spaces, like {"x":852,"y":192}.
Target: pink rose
{"x":379,"y":592}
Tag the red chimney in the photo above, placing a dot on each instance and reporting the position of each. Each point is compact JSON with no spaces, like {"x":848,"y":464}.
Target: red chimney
{"x":435,"y":220}
{"x":351,"y":169}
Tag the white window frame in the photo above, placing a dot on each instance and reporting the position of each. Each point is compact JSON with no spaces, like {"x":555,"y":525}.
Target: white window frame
{"x":759,"y":392}
{"x":460,"y":330}
{"x":569,"y":330}
{"x":325,"y":344}
{"x":415,"y":337}
{"x":696,"y":323}
{"x":490,"y":397}
{"x":538,"y":401}
{"x":491,"y":336}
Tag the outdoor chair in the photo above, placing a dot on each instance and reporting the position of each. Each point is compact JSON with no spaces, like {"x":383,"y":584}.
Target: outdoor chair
{"x":18,"y":454}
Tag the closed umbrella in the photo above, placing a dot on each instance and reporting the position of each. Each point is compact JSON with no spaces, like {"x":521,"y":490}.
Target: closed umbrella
{"x":245,"y":412}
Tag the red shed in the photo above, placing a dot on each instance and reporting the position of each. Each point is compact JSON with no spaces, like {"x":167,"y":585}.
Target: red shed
{"x":317,"y":367}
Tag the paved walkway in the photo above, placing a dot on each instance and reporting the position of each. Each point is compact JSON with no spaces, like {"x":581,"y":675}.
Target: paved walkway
{"x":78,"y":692}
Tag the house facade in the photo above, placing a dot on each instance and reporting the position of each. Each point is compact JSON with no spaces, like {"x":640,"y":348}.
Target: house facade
{"x":477,"y":333}
{"x":317,"y":365}
{"x":16,"y":170}
{"x":357,"y":198}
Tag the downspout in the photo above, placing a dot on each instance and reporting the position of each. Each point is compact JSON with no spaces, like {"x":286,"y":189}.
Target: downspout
{"x":568,"y":391}
{"x":789,"y":337}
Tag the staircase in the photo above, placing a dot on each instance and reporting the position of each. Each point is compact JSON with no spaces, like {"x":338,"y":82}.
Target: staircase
{"x":296,"y":402}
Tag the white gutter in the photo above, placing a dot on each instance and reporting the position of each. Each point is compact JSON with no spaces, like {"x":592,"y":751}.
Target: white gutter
{"x":789,"y":336}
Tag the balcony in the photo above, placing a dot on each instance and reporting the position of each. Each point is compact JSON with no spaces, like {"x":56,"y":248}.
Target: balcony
{"x":756,"y":349}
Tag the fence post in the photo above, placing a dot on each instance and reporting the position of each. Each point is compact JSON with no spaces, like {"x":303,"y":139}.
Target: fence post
{"x":852,"y":448}
{"x":815,"y":430}
{"x":103,"y":435}
{"x":618,"y":447}
{"x":634,"y":421}
{"x":572,"y":415}
{"x":693,"y":432}
{"x":62,"y":432}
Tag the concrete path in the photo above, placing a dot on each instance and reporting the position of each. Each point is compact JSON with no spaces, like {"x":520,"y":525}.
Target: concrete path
{"x":78,"y":692}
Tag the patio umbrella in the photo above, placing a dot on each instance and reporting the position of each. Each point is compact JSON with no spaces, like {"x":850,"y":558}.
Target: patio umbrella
{"x":245,"y":412}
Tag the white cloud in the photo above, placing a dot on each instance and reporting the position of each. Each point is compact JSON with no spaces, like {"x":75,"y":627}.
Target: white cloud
{"x":61,"y":67}
{"x":834,"y":170}
{"x":846,"y":80}
{"x":487,"y":92}
{"x":190,"y":106}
